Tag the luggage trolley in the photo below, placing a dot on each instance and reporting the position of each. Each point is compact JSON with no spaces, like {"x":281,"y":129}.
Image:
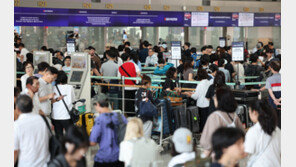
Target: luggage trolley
{"x":161,"y":132}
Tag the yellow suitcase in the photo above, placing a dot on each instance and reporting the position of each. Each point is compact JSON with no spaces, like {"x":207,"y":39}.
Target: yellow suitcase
{"x":86,"y":121}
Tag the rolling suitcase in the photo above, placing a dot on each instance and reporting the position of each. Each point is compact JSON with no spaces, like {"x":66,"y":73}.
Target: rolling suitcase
{"x":180,"y":116}
{"x":193,"y":119}
{"x":86,"y":121}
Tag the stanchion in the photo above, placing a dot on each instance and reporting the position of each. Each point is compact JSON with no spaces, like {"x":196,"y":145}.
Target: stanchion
{"x":122,"y":100}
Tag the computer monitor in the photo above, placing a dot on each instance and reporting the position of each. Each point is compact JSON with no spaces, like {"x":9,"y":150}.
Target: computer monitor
{"x":79,"y":61}
{"x":41,"y":56}
{"x":76,"y":76}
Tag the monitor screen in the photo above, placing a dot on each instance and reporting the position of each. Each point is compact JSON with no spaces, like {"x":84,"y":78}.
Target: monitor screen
{"x":76,"y":76}
{"x":78,"y":62}
{"x":39,"y":57}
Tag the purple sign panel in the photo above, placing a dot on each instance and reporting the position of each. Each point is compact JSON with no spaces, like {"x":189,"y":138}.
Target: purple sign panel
{"x":222,"y":20}
{"x":24,"y":16}
{"x":263,"y":19}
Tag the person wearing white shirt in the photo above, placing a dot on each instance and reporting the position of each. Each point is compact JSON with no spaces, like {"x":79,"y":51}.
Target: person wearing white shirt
{"x":135,"y":149}
{"x":263,"y":140}
{"x":23,"y":51}
{"x":31,"y":90}
{"x":60,"y":114}
{"x":31,"y":136}
{"x":200,"y":96}
{"x":29,"y":69}
{"x":45,"y":93}
{"x":67,"y":66}
{"x":152,"y":59}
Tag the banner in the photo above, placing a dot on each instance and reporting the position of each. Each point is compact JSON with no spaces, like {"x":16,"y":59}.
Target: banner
{"x":222,"y":20}
{"x":25,"y":16}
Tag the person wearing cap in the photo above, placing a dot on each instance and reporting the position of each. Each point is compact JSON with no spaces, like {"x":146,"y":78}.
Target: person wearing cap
{"x":183,"y":149}
{"x":164,"y":52}
{"x":95,"y":61}
{"x":104,"y":134}
{"x":107,"y":47}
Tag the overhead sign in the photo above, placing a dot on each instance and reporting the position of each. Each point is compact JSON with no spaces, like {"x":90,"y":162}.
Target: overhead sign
{"x":200,"y":19}
{"x":26,"y":16}
{"x":222,"y":41}
{"x":176,"y":50}
{"x":237,"y":51}
{"x":246,"y":20}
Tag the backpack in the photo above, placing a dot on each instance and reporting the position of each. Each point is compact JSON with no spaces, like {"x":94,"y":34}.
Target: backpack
{"x":226,"y":122}
{"x":144,"y":152}
{"x":162,"y":71}
{"x":120,"y":129}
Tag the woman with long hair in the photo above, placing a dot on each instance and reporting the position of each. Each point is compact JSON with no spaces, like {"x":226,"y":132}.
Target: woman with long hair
{"x":136,"y":149}
{"x":219,"y":81}
{"x":263,"y":140}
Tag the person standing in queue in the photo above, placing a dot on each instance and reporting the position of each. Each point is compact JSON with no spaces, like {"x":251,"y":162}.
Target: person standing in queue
{"x":73,"y":149}
{"x":224,"y":116}
{"x":29,"y":70}
{"x":273,"y":85}
{"x":263,"y":139}
{"x":31,"y":136}
{"x":200,"y":96}
{"x":103,"y":133}
{"x":42,"y":67}
{"x":45,"y":93}
{"x":67,"y":64}
{"x":169,"y":84}
{"x":60,"y":115}
{"x":129,"y":69}
{"x":31,"y":90}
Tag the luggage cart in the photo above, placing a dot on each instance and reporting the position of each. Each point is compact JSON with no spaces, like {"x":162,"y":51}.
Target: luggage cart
{"x":161,"y":133}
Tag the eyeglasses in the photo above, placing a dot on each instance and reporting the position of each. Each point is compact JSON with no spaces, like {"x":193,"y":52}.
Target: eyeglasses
{"x":29,"y":67}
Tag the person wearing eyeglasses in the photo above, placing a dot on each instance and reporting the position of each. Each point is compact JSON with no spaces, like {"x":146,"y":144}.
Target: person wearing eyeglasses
{"x":29,"y":70}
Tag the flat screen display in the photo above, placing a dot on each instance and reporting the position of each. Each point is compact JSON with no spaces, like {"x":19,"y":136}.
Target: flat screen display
{"x":79,"y":62}
{"x":76,"y":76}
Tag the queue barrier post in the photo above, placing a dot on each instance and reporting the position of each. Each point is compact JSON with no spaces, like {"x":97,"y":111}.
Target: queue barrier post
{"x":122,"y":100}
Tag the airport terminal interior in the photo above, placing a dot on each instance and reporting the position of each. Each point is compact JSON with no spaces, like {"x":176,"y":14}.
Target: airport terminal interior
{"x":147,"y":83}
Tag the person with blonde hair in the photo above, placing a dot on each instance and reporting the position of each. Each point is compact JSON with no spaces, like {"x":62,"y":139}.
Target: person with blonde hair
{"x":135,"y":149}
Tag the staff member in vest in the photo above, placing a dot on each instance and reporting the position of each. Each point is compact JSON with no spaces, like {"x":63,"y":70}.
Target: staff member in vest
{"x":129,"y":69}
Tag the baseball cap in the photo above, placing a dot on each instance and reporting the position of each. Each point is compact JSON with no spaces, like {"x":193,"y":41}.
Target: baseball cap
{"x":163,"y":45}
{"x":183,"y":141}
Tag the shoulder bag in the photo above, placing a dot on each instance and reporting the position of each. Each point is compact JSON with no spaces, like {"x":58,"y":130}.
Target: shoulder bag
{"x":74,"y":114}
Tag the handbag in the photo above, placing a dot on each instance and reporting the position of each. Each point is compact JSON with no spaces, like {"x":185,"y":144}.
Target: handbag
{"x":74,"y":114}
{"x":54,"y":144}
{"x":147,"y":109}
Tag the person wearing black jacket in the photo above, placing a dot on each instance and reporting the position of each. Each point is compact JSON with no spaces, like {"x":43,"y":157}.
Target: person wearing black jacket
{"x":73,"y":149}
{"x":143,"y":94}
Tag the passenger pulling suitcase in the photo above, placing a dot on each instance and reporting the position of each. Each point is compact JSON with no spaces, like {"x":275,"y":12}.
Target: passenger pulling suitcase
{"x":86,"y":121}
{"x":193,"y":119}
